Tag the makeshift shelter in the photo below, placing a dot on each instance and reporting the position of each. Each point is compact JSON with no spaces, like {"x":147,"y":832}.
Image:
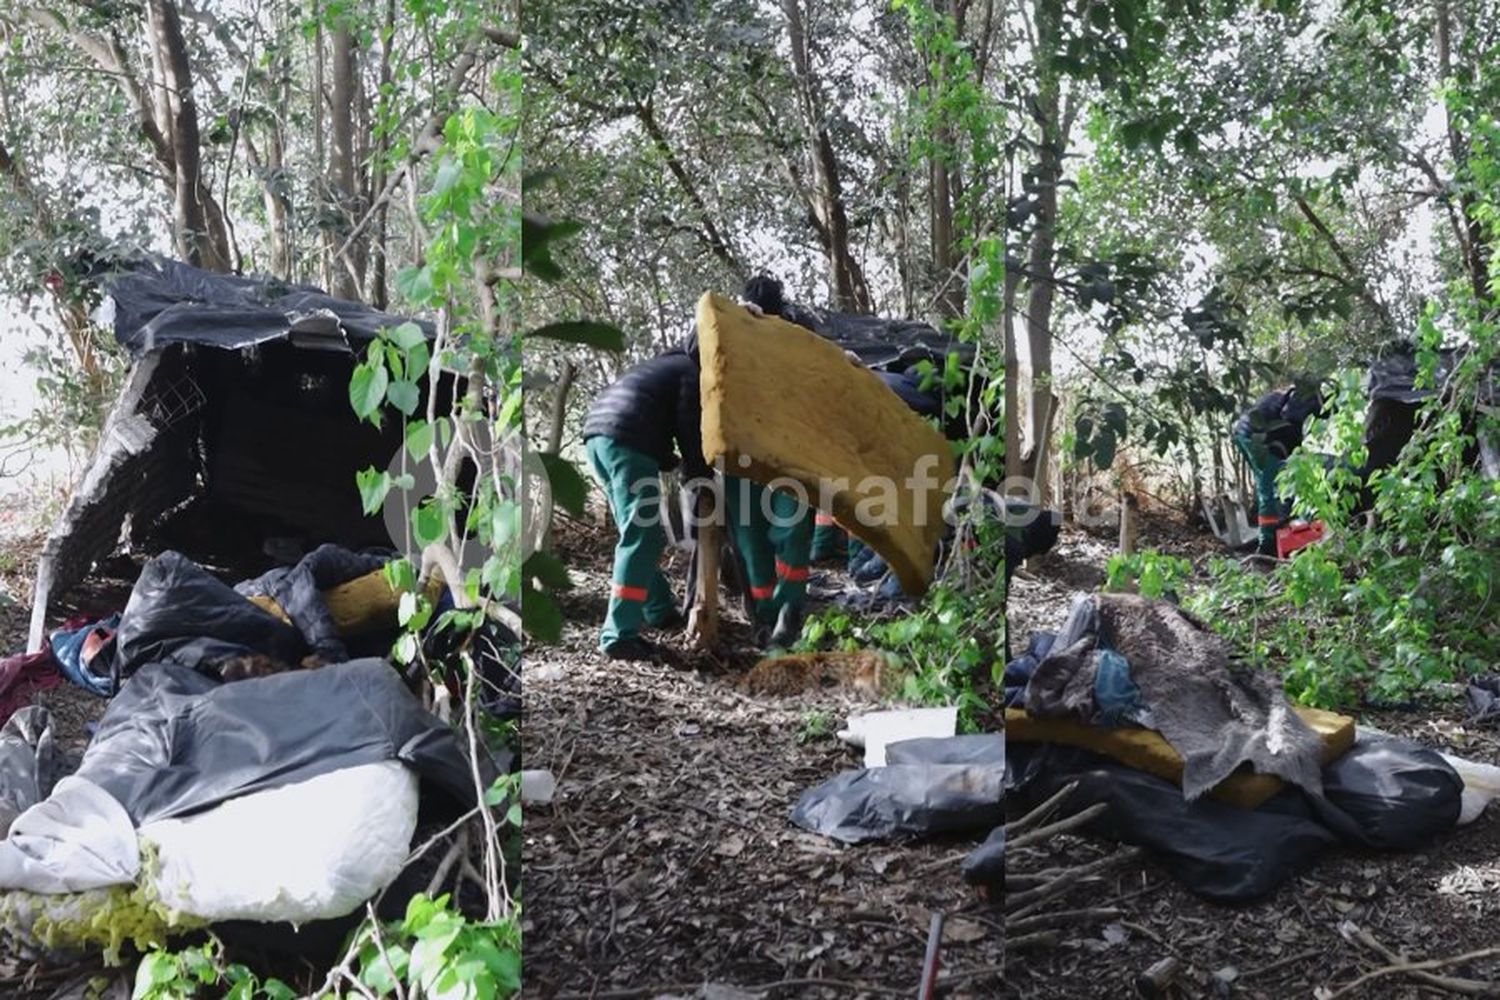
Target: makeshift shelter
{"x":237,"y":395}
{"x":1395,"y":397}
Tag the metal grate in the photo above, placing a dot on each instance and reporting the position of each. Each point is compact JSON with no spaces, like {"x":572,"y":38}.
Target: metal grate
{"x":176,"y":401}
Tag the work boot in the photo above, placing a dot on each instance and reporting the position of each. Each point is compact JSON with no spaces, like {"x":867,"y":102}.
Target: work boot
{"x":788,"y":628}
{"x":631,"y":647}
{"x":673,"y":622}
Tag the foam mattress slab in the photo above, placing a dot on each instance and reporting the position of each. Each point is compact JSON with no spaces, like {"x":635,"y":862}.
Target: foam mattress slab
{"x":1146,"y":750}
{"x":780,"y":402}
{"x":362,"y":605}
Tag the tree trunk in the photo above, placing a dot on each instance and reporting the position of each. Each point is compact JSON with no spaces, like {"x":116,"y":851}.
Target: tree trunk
{"x":347,"y":274}
{"x":1042,"y":290}
{"x":847,"y":287}
{"x":199,"y":223}
{"x":560,"y":407}
{"x":1014,"y":465}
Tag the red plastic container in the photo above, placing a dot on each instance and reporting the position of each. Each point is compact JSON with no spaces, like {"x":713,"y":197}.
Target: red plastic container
{"x":1298,"y":536}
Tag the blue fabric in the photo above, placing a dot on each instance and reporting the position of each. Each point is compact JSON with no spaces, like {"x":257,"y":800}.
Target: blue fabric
{"x":1018,"y":671}
{"x":67,"y":648}
{"x":1115,"y":692}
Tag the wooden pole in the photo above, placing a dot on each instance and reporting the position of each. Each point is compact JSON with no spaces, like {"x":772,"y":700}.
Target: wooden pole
{"x":703,"y":622}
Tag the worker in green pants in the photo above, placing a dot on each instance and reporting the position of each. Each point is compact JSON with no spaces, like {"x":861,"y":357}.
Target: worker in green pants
{"x":1266,"y":434}
{"x":773,"y":531}
{"x":640,"y":593}
{"x":829,"y":541}
{"x":634,"y":431}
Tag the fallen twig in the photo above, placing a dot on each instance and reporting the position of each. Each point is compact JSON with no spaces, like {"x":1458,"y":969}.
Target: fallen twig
{"x":1398,"y":968}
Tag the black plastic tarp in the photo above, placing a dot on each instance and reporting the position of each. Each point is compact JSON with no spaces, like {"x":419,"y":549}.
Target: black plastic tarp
{"x":1393,"y":376}
{"x":174,"y":741}
{"x":159,"y":302}
{"x":1383,"y":793}
{"x":180,"y":613}
{"x":883,"y":344}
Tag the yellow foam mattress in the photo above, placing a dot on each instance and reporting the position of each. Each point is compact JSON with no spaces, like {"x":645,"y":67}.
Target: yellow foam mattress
{"x":780,"y":402}
{"x":363,"y":605}
{"x":1146,"y":750}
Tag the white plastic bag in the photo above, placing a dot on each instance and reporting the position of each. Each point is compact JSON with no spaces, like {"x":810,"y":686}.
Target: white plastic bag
{"x":308,"y":851}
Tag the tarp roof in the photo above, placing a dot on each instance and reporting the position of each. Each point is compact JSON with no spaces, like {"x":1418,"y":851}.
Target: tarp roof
{"x":1393,"y":376}
{"x":157,"y":302}
{"x":883,"y":344}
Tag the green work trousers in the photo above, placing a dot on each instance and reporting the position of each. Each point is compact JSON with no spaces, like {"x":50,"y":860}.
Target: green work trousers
{"x":1268,"y":506}
{"x":773,"y":531}
{"x":632,"y":485}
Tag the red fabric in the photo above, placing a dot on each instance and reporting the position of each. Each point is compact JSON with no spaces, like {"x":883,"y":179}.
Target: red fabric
{"x":791,"y":574}
{"x":22,"y":676}
{"x":763,"y":593}
{"x":625,"y":593}
{"x":823,"y":520}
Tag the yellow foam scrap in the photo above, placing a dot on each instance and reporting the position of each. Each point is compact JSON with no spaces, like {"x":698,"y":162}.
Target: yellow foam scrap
{"x":780,"y":402}
{"x":360,"y":606}
{"x":1146,"y":750}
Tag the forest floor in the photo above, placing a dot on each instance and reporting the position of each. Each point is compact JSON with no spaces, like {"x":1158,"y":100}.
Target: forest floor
{"x":1438,"y":902}
{"x":667,"y":865}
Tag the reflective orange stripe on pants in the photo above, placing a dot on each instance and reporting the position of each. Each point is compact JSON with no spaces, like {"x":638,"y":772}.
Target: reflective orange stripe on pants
{"x":791,"y":574}
{"x":626,"y":593}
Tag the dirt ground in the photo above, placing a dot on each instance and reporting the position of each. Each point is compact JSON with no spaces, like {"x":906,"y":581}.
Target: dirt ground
{"x":1440,"y":902}
{"x":667,"y":865}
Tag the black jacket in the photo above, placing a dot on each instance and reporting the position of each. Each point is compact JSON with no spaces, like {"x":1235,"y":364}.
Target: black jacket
{"x":1278,"y":419}
{"x":654,"y":406}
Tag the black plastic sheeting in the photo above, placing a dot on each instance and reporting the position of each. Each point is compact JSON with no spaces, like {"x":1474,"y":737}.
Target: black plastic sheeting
{"x":890,"y":345}
{"x":174,"y":741}
{"x":179,"y":613}
{"x":1484,"y":700}
{"x":1393,"y":376}
{"x":159,"y":302}
{"x":1383,"y":793}
{"x":929,"y":787}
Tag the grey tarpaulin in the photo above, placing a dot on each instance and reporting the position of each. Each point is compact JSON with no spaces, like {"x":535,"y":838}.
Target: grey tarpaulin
{"x":175,"y":741}
{"x":157,"y":302}
{"x":30,"y":763}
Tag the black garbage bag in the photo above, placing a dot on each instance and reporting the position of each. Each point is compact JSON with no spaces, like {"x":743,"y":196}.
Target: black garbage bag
{"x":976,"y":749}
{"x":174,"y":741}
{"x":904,"y":800}
{"x":1389,"y":793}
{"x":985,"y":865}
{"x":1216,"y":850}
{"x":180,"y":613}
{"x":1484,"y":700}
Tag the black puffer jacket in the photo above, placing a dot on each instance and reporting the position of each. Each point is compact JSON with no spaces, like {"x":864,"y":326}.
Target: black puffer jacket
{"x":653,"y":407}
{"x":1278,"y":418}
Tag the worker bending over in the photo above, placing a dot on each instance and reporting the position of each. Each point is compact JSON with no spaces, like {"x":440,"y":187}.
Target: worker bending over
{"x":1266,"y":434}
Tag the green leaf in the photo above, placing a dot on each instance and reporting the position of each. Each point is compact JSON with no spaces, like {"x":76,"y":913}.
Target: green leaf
{"x":156,"y":970}
{"x":407,"y":336}
{"x":419,"y":439}
{"x":404,"y":396}
{"x":428,"y":523}
{"x":569,"y":489}
{"x":374,"y":485}
{"x":586,"y":332}
{"x":367,"y":389}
